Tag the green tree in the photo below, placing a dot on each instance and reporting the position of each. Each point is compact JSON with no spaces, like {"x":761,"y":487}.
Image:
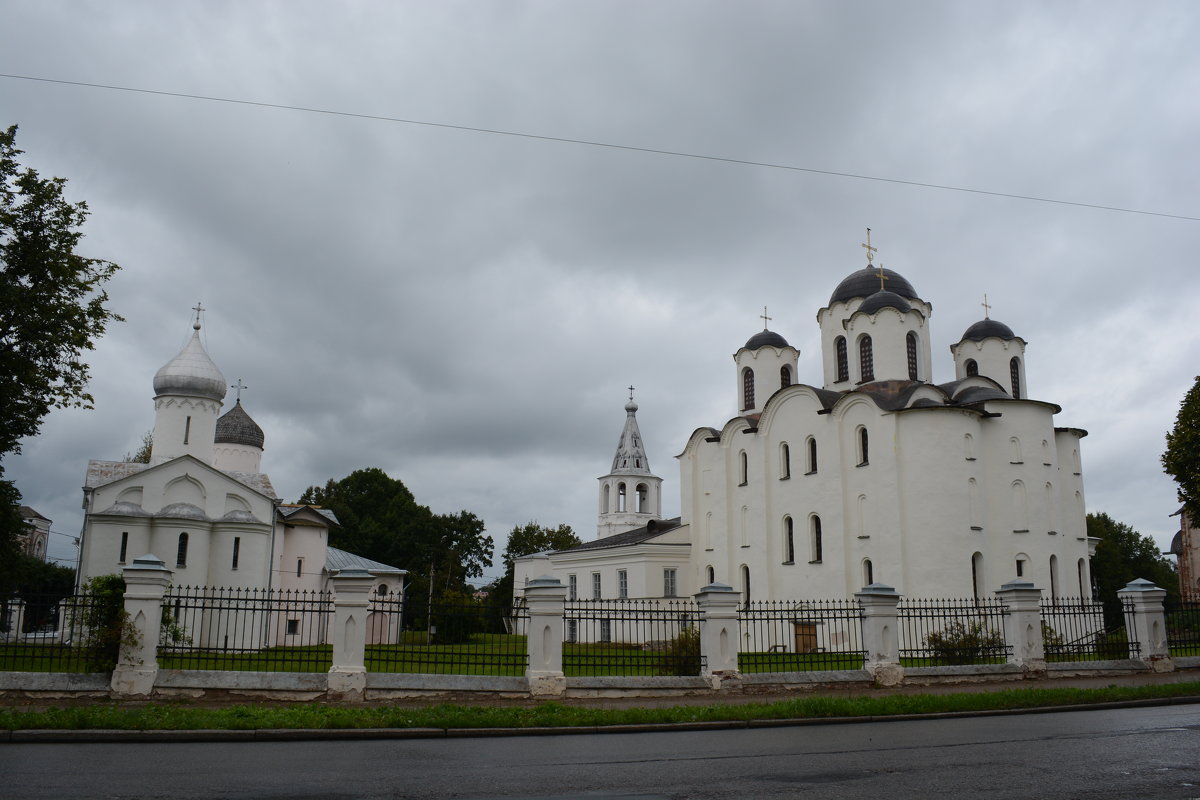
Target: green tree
{"x":1123,"y":555}
{"x":1181,"y":460}
{"x":52,"y":304}
{"x":142,"y":454}
{"x":525,"y":540}
{"x":380,"y":519}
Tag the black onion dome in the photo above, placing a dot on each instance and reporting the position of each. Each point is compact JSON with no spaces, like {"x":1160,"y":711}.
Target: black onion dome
{"x":764,"y":338}
{"x":884,"y":299}
{"x":236,"y":427}
{"x":865,"y":282}
{"x":987,"y":329}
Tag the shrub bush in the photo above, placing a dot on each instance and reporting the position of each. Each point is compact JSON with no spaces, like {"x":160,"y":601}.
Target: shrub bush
{"x":681,"y":656}
{"x":958,"y":643}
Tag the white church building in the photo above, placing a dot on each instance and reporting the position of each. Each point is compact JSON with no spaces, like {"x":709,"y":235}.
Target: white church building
{"x":202,"y":504}
{"x":874,"y":474}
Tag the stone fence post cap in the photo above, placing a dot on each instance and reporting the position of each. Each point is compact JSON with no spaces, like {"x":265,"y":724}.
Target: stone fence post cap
{"x":879,"y":589}
{"x":716,"y":586}
{"x":1141,"y":585}
{"x":148,"y":562}
{"x":1019,"y":583}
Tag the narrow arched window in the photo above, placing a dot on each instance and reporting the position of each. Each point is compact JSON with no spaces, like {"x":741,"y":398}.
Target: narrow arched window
{"x":866,"y":359}
{"x":643,"y":496}
{"x":977,"y":574}
{"x":816,"y":539}
{"x":785,"y":376}
{"x":621,"y":498}
{"x":1014,"y":371}
{"x":744,"y":467}
{"x":812,"y":455}
{"x":745,"y":584}
{"x":712,"y":575}
{"x":912,"y":355}
{"x":843,"y":362}
{"x":789,"y":541}
{"x":972,"y":368}
{"x":605,"y":499}
{"x":1054,"y":578}
{"x":181,"y":552}
{"x":868,"y":572}
{"x":747,"y":389}
{"x":785,"y":461}
{"x":863,"y":451}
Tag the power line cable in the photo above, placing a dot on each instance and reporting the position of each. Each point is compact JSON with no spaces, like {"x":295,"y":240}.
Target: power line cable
{"x":609,"y":145}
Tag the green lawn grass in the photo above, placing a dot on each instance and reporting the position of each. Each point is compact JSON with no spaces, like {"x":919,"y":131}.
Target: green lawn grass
{"x":798,"y":662}
{"x":44,"y":658}
{"x":180,"y":716}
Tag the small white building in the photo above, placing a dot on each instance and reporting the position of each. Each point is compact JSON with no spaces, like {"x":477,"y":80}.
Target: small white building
{"x":203,"y":505}
{"x":33,"y":539}
{"x":872,"y":474}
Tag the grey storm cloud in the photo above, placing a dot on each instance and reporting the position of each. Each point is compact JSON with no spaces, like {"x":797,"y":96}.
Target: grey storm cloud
{"x":465,"y":309}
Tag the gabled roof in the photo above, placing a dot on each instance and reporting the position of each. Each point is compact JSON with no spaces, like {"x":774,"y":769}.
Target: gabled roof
{"x":288,"y":510}
{"x":102,"y":473}
{"x":29,"y":513}
{"x":337,"y":560}
{"x":651,"y":530}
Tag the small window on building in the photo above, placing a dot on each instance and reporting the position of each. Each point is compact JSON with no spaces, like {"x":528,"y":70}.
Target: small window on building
{"x":785,"y":461}
{"x":642,"y":494}
{"x":785,"y":376}
{"x":789,"y":541}
{"x":866,"y":359}
{"x":187,"y":429}
{"x":868,"y":572}
{"x":747,"y":389}
{"x":1020,"y":567}
{"x":181,"y":551}
{"x":744,"y":468}
{"x":622,"y":584}
{"x":596,"y":586}
{"x":572,"y":587}
{"x":863,"y":450}
{"x":912,"y":355}
{"x":293,"y":627}
{"x":621,"y":498}
{"x":669,"y":583}
{"x":812,"y":455}
{"x":572,"y":631}
{"x":972,"y":368}
{"x":817,"y":552}
{"x":843,"y":362}
{"x":606,"y":630}
{"x":299,"y":567}
{"x":124,"y":547}
{"x":712,"y":575}
{"x":745,"y":585}
{"x":1014,"y":371}
{"x":237,"y":551}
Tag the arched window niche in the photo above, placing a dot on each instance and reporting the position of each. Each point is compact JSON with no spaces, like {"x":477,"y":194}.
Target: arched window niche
{"x":789,"y":541}
{"x":866,"y":360}
{"x":785,"y":461}
{"x":911,"y":347}
{"x":811,"y":446}
{"x":785,"y":376}
{"x":747,"y":389}
{"x":816,"y":546}
{"x":841,"y":358}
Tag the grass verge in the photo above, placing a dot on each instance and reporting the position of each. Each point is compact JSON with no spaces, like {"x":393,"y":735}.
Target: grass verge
{"x":178,"y":716}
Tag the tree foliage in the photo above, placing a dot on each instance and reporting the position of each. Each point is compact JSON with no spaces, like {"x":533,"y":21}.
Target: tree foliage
{"x":1181,"y":460}
{"x":381,"y":520}
{"x":1123,"y":555}
{"x":142,"y":454}
{"x":52,"y":306}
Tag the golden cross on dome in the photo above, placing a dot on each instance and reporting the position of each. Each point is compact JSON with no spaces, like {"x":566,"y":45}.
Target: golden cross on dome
{"x":986,"y":307}
{"x":765,"y":318}
{"x":239,"y":386}
{"x":197,"y":308}
{"x":871,"y":251}
{"x":881,"y":276}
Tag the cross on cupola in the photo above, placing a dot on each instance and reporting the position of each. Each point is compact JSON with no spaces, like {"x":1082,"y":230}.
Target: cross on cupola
{"x":630,"y":392}
{"x":986,"y":307}
{"x":197,"y":308}
{"x":871,"y":251}
{"x":237,"y":387}
{"x":765,"y":318}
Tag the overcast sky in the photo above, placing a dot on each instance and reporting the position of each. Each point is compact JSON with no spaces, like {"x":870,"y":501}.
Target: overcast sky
{"x":465,"y":309}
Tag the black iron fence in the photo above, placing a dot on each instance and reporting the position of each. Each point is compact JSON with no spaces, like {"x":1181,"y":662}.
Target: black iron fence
{"x":631,"y":637}
{"x":800,"y":635}
{"x":445,"y":638}
{"x":257,"y":630}
{"x":1183,"y":627}
{"x":52,"y":633}
{"x":1074,"y":629}
{"x":951,"y":632}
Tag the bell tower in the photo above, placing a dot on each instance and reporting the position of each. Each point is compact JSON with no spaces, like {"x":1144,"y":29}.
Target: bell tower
{"x":630,"y":494}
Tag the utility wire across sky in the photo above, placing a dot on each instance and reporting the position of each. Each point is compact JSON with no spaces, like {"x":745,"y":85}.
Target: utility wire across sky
{"x":608,"y":145}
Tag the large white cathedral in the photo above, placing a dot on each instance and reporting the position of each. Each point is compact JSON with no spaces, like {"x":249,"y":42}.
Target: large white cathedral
{"x":876,"y":475}
{"x":202,"y":504}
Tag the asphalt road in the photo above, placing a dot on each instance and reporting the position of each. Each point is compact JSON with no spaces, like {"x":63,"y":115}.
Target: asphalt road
{"x":1127,"y":753}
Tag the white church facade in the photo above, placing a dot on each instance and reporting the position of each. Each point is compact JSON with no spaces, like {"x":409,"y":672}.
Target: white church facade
{"x":202,"y":505}
{"x":874,"y":474}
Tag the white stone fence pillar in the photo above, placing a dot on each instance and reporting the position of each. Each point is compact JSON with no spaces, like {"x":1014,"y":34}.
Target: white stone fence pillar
{"x":146,"y":581}
{"x":1145,"y":622}
{"x":720,"y":634}
{"x":348,"y":674}
{"x":1023,"y":624}
{"x":881,"y":633}
{"x":545,"y":597}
